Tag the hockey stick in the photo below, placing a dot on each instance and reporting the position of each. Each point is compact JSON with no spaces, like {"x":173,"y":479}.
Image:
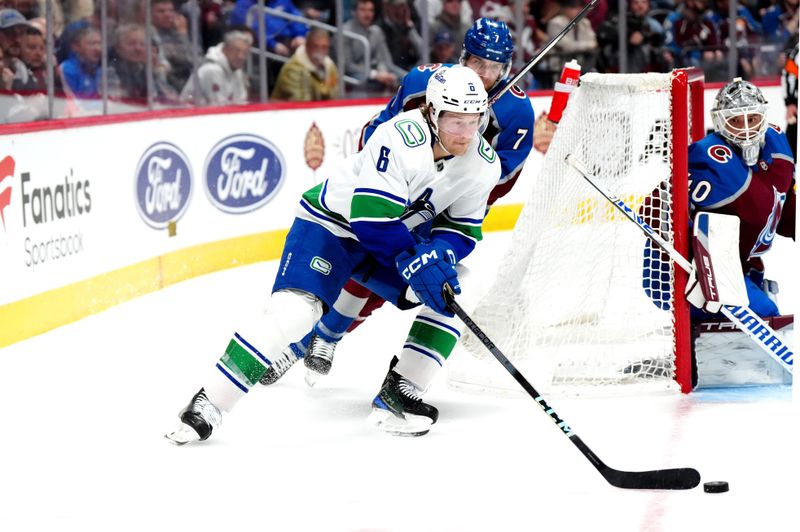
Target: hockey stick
{"x":538,"y":57}
{"x":745,"y":319}
{"x":659,"y":479}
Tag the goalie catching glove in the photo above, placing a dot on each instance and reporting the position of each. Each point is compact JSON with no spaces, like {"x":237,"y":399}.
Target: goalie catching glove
{"x":427,"y":267}
{"x":717,"y":277}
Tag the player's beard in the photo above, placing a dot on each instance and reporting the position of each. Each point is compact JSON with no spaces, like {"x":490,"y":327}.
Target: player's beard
{"x":454,"y":145}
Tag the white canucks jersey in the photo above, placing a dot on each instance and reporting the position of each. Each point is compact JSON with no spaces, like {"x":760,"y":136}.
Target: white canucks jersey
{"x":395,"y":177}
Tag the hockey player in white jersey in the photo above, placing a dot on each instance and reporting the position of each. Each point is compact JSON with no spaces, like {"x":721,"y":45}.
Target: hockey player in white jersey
{"x":427,"y":165}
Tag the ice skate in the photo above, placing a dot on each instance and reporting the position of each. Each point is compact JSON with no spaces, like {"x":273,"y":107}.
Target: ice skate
{"x":319,"y":358}
{"x":198,"y":420}
{"x":398,"y":408}
{"x":281,"y":365}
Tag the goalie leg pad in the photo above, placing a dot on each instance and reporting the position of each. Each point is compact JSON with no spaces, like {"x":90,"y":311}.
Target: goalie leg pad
{"x":717,"y":277}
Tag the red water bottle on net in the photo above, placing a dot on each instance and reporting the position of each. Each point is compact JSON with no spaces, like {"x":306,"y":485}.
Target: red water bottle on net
{"x":569,"y":80}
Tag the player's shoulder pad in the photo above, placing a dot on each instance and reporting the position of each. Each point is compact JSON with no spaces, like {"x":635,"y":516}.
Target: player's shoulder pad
{"x":514,"y":106}
{"x":715,"y":170}
{"x":407,"y":129}
{"x":776,"y":142}
{"x":417,"y":78}
{"x":711,"y":150}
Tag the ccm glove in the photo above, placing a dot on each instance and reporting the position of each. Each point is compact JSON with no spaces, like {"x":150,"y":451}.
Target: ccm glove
{"x":427,"y":267}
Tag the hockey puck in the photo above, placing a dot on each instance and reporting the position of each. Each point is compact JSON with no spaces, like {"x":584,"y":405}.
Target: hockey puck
{"x":716,"y":486}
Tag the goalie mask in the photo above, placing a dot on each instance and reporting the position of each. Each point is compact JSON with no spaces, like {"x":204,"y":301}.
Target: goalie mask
{"x":457,"y":92}
{"x":739,"y":116}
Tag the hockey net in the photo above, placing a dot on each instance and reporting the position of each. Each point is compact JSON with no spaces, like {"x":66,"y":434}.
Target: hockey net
{"x":569,"y":306}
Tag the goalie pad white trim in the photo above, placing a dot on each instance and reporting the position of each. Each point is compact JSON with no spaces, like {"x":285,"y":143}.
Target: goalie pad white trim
{"x":726,"y":356}
{"x":717,"y":278}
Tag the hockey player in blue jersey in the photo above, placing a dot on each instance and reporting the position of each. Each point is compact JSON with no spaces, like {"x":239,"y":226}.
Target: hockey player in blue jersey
{"x":487,"y":50}
{"x":361,"y":222}
{"x":745,"y":168}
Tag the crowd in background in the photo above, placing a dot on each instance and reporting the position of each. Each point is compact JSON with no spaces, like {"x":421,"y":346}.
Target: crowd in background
{"x":207,"y":52}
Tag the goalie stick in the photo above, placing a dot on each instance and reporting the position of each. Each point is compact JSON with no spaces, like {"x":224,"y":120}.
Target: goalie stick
{"x":546,"y":48}
{"x":658,"y":479}
{"x":745,"y":319}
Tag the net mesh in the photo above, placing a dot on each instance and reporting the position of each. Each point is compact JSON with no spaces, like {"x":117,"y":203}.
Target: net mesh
{"x":580,"y":301}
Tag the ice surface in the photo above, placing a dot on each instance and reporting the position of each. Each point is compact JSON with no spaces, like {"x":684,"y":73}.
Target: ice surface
{"x":85,"y":408}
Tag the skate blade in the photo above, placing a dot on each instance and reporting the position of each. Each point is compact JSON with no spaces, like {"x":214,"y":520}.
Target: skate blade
{"x":312,"y":377}
{"x":182,"y":435}
{"x":411,"y":426}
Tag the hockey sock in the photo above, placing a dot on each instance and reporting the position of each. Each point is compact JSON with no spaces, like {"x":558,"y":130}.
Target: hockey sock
{"x":288,"y":315}
{"x":238,"y":370}
{"x":430,"y":341}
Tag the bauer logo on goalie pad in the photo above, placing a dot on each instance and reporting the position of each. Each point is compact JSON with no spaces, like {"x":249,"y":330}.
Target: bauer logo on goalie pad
{"x":321,"y":265}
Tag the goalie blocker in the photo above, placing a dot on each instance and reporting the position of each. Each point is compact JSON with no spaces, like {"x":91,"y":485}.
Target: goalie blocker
{"x":724,"y":356}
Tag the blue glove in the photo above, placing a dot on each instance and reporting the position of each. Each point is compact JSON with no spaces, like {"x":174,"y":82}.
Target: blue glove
{"x":427,"y":267}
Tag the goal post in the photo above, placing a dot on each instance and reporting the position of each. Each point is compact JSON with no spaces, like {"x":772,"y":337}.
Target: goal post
{"x":581,"y":303}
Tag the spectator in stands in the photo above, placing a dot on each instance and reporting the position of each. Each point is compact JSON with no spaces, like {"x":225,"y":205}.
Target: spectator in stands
{"x":580,"y":43}
{"x":31,"y":76}
{"x":80,"y":74}
{"x":12,"y":27}
{"x":64,"y":48}
{"x":444,"y":48}
{"x":31,"y":9}
{"x":692,"y":37}
{"x":645,"y":43}
{"x":435,"y":8}
{"x":213,"y":19}
{"x":6,"y":74}
{"x":383,"y":73}
{"x":321,"y":10}
{"x":747,"y":31}
{"x":780,"y":22}
{"x":310,"y":74}
{"x":283,"y":36}
{"x":173,"y":41}
{"x":221,"y":78}
{"x":127,"y":77}
{"x":789,"y":78}
{"x":403,"y":39}
{"x":451,"y":20}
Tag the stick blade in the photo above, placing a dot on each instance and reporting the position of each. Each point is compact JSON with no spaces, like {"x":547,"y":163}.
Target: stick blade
{"x":660,"y":479}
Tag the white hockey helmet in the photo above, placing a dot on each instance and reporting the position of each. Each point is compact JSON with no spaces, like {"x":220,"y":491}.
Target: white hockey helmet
{"x":739,"y":116}
{"x":455,"y":89}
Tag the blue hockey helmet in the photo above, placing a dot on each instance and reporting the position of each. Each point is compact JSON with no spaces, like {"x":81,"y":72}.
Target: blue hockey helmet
{"x":489,"y":40}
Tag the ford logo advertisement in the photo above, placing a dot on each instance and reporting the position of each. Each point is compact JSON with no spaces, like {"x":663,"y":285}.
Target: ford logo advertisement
{"x":242,"y":173}
{"x":163,"y":184}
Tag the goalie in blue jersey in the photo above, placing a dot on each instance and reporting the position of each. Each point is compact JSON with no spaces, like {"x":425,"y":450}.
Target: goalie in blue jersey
{"x":488,"y":49}
{"x":364,"y":221}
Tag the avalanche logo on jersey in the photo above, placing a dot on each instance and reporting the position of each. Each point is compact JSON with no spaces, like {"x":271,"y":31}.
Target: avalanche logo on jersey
{"x":767,"y":235}
{"x":243,"y":173}
{"x":163,"y":185}
{"x":721,"y":154}
{"x":516,"y":91}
